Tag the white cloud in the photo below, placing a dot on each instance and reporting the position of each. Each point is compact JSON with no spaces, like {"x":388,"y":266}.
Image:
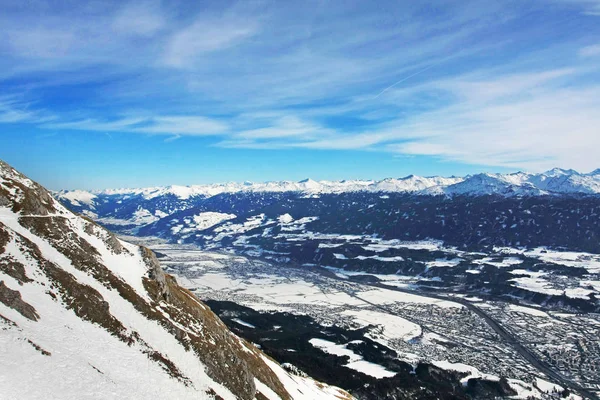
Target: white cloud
{"x":284,"y":127}
{"x":165,"y":125}
{"x":590,"y":51}
{"x":535,"y":127}
{"x":184,"y":125}
{"x":460,"y":83}
{"x":204,"y":36}
{"x":590,"y":7}
{"x":14,"y":110}
{"x":41,"y":42}
{"x":143,"y":19}
{"x":532,"y":121}
{"x":95,"y":125}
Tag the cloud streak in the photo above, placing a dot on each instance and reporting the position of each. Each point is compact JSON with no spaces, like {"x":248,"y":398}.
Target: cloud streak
{"x":162,"y":125}
{"x":533,"y":121}
{"x":462,"y":81}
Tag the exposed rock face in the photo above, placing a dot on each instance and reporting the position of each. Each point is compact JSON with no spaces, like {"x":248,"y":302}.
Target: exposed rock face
{"x":22,"y":194}
{"x":53,"y":260}
{"x":12,"y":299}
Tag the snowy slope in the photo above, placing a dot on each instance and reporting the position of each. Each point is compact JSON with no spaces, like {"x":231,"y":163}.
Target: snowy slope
{"x":555,"y":181}
{"x":490,"y":184}
{"x":84,"y":315}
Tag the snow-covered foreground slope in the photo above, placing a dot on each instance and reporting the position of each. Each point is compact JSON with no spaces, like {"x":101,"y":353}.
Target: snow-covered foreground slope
{"x":84,"y":315}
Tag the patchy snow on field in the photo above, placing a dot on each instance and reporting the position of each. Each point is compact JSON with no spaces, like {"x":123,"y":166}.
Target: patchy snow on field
{"x":390,"y":326}
{"x":231,"y":229}
{"x":140,"y":217}
{"x":284,"y":292}
{"x":552,"y":388}
{"x":270,"y":289}
{"x":401,"y":281}
{"x":210,"y":281}
{"x":302,"y":292}
{"x":329,"y":245}
{"x":380,"y":245}
{"x":285,"y":219}
{"x":433,"y":339}
{"x":443,"y":262}
{"x":578,"y":293}
{"x":535,"y":285}
{"x":524,"y":390}
{"x":243,"y":323}
{"x":356,"y":361}
{"x":384,"y":296}
{"x":471,"y":372}
{"x":362,"y":258}
{"x":532,"y":274}
{"x":593,"y":284}
{"x":506,"y":261}
{"x":588,"y":261}
{"x":379,"y":258}
{"x":79,"y":197}
{"x":528,"y":310}
{"x":205,"y":220}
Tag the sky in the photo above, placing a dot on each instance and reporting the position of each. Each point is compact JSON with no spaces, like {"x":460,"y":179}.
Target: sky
{"x":107,"y":94}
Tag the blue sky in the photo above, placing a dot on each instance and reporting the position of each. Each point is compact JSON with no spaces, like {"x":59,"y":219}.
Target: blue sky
{"x":143,"y":93}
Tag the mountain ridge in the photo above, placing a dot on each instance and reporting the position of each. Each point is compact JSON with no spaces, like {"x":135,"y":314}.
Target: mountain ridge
{"x":554,"y":181}
{"x":83,"y":312}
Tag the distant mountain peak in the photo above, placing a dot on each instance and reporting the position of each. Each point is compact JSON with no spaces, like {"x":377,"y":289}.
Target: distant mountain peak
{"x":554,"y":181}
{"x":560,"y":172}
{"x":594,"y":172}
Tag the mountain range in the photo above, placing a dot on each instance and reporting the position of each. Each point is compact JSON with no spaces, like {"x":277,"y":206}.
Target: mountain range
{"x":554,"y":181}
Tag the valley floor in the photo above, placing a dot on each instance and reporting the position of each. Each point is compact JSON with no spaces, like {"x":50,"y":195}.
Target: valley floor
{"x":452,"y":332}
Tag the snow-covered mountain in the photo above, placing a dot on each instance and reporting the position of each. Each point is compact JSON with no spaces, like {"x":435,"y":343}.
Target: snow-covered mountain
{"x":84,"y":315}
{"x":122,"y":209}
{"x":490,"y":184}
{"x":409,"y":184}
{"x":520,"y":183}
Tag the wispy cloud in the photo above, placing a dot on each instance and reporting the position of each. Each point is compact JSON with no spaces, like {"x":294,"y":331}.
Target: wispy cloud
{"x":205,"y":36}
{"x":284,"y":127}
{"x":13,"y":109}
{"x":590,"y":7}
{"x":166,"y":125}
{"x":533,"y":121}
{"x":548,"y":128}
{"x":590,"y":51}
{"x":459,"y":80}
{"x":140,"y":19}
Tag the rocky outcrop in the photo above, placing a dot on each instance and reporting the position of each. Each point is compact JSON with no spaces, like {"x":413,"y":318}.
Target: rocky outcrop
{"x":12,"y":299}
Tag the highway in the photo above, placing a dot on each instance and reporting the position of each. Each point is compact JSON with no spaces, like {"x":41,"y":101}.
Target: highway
{"x":503,"y":333}
{"x":496,"y":326}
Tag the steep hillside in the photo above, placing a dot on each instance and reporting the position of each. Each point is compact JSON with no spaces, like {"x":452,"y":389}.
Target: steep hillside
{"x":85,"y":315}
